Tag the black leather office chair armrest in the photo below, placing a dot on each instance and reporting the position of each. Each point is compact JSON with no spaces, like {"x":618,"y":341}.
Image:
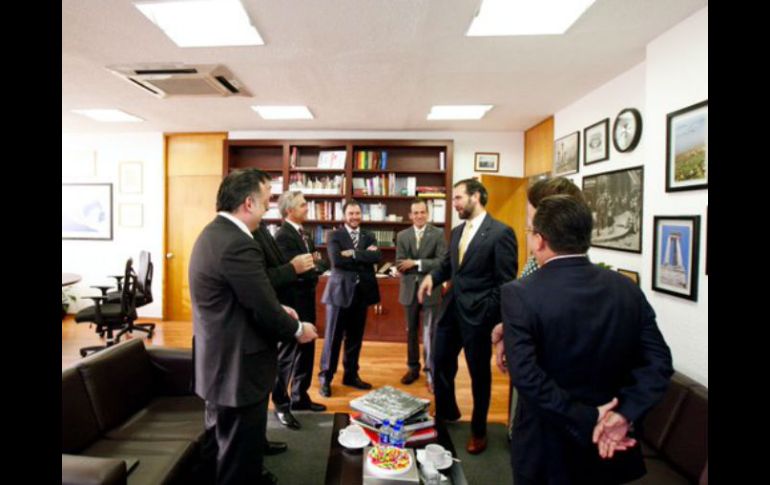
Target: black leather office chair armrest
{"x":119,"y":278}
{"x":90,"y":470}
{"x":174,"y":370}
{"x":102,"y":288}
{"x":96,"y":299}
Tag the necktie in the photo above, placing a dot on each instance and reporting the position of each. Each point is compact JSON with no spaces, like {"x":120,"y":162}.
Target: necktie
{"x":304,"y":239}
{"x":354,"y":236}
{"x":418,"y":238}
{"x":464,"y":240}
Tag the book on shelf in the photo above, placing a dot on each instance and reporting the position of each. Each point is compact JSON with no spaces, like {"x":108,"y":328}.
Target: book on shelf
{"x":293,"y":157}
{"x":442,"y":161}
{"x":388,"y":402}
{"x":334,"y":159}
{"x":437,"y":210}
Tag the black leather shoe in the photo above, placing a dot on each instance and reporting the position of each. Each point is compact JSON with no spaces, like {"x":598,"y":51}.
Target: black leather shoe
{"x":357,"y":383}
{"x":326,"y":390}
{"x":308,"y":406}
{"x":275,"y":447}
{"x":410,"y":377}
{"x":287,"y":419}
{"x":268,"y":478}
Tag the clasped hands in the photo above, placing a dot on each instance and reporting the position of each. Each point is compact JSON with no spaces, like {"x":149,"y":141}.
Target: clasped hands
{"x":350,"y":252}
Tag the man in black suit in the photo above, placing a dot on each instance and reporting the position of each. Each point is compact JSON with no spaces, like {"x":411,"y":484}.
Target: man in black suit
{"x":585,"y":354}
{"x":237,"y":321}
{"x":295,"y":362}
{"x":482,"y":257}
{"x":351,"y":288}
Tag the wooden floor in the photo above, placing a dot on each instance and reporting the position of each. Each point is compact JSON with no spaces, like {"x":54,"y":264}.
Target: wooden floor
{"x":382,"y":363}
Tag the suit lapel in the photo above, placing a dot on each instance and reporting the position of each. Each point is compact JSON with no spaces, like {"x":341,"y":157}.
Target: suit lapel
{"x":411,"y":240}
{"x":478,"y":239}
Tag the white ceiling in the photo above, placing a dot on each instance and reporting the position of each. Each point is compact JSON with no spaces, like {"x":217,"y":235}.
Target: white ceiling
{"x":357,"y":64}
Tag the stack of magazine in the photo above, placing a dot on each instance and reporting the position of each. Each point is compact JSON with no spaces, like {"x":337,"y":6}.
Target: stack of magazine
{"x":393,"y":404}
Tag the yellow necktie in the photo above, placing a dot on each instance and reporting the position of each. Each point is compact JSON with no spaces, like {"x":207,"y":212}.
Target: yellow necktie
{"x":418,"y":238}
{"x":464,"y":240}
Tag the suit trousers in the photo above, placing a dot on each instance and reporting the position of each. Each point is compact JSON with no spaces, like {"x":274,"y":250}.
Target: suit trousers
{"x":429,"y":313}
{"x":348,"y":323}
{"x":452,"y":336}
{"x":295,"y":360}
{"x":239,"y":437}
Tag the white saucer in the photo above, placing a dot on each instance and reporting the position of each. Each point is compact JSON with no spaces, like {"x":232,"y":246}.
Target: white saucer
{"x":441,"y":466}
{"x":354,"y":446}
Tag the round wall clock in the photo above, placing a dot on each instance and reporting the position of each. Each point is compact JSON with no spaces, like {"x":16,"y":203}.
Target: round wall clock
{"x":627,"y":130}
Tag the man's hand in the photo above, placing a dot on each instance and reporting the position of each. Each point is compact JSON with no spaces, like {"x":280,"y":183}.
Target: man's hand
{"x":309,"y":333}
{"x":316,"y":256}
{"x":611,"y":431}
{"x":425,"y":287}
{"x":406,"y":265}
{"x":291,"y":311}
{"x":302,"y":263}
{"x":373,"y":247}
{"x":348,"y":253}
{"x":499,"y":348}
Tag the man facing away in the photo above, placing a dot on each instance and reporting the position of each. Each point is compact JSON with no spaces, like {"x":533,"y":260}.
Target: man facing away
{"x":482,"y":257}
{"x":419,"y":250}
{"x":351,"y":288}
{"x":585,"y":354}
{"x":237,"y":321}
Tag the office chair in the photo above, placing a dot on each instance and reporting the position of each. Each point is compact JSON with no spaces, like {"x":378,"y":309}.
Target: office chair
{"x":111,"y":316}
{"x":143,"y":293}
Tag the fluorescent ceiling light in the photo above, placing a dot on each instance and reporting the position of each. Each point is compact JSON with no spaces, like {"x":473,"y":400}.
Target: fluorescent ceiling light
{"x":526,"y":17}
{"x":459,"y":112}
{"x":108,"y":115}
{"x":283,"y":112}
{"x":203,"y":23}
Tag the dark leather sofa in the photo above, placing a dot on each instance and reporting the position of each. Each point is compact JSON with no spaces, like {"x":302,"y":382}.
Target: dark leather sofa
{"x":674,"y":436}
{"x":130,"y":405}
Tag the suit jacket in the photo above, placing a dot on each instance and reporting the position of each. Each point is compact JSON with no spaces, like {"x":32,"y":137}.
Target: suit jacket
{"x":237,"y":319}
{"x":430,"y":254}
{"x":490,"y":261}
{"x":279,"y":270}
{"x":577,"y":335}
{"x":341,"y":286}
{"x":291,"y":244}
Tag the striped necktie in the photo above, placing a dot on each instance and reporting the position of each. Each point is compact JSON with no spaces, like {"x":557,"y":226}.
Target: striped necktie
{"x":354,"y":236}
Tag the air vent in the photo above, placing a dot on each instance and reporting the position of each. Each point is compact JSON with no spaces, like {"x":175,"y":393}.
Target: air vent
{"x":165,"y":80}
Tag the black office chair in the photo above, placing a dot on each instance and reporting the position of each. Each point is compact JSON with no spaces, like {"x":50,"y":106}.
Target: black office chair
{"x":143,"y":293}
{"x":112,"y":316}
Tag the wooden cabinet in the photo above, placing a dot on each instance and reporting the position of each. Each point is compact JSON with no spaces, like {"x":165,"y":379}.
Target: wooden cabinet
{"x":385,"y":322}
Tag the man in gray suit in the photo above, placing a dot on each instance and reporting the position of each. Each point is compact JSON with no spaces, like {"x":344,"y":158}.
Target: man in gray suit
{"x":419,"y":250}
{"x":237,"y":321}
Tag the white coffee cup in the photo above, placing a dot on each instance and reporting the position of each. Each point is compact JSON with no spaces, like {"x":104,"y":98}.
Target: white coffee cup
{"x":437,"y":455}
{"x":353,"y":434}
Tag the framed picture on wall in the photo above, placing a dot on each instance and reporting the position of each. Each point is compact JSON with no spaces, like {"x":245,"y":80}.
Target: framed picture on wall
{"x":596,"y":146}
{"x":632,"y":275}
{"x":566,"y":154}
{"x":86,"y":211}
{"x":687,"y":148}
{"x":615,"y":199}
{"x":486,"y":162}
{"x":130,"y":177}
{"x":675,"y":256}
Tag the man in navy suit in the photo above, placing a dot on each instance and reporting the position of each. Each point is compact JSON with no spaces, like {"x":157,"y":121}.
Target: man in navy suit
{"x":585,"y":354}
{"x":482,"y":257}
{"x":351,"y":288}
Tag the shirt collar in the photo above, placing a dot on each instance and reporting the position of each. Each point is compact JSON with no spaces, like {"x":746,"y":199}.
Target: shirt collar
{"x":294,"y":224}
{"x":241,"y":225}
{"x":476,"y":221}
{"x":566,"y":256}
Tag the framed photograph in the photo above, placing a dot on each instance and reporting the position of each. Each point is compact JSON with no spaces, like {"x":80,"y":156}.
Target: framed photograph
{"x":633,"y":275}
{"x":130,"y":177}
{"x":131,"y":215}
{"x":615,"y":199}
{"x":675,"y":256}
{"x":487,"y":162}
{"x":566,"y":152}
{"x":86,"y":211}
{"x":687,"y":148}
{"x":595,"y":142}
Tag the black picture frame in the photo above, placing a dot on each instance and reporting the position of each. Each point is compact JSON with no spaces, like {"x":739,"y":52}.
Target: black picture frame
{"x":620,"y":127}
{"x":596,"y":142}
{"x":566,"y":155}
{"x":632,"y":275}
{"x":676,"y":243}
{"x":687,"y":148}
{"x":616,"y":199}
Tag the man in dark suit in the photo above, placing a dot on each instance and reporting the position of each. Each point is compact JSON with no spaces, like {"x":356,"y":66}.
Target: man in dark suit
{"x":237,"y":321}
{"x":283,"y":275}
{"x":351,"y":288}
{"x":585,"y":354}
{"x":482,"y":257}
{"x":419,"y":250}
{"x":295,"y":367}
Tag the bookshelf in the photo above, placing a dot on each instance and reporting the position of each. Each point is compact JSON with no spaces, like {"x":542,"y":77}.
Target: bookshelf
{"x":383,"y":175}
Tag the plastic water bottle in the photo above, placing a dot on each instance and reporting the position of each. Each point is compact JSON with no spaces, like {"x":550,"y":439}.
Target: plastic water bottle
{"x":398,"y":437}
{"x":385,"y":433}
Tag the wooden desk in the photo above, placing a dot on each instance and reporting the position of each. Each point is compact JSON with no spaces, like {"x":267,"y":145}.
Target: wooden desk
{"x":346,"y":467}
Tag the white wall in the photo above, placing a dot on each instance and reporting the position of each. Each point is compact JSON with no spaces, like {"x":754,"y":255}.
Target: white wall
{"x":510,"y":146}
{"x":96,"y":260}
{"x":674,"y":75}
